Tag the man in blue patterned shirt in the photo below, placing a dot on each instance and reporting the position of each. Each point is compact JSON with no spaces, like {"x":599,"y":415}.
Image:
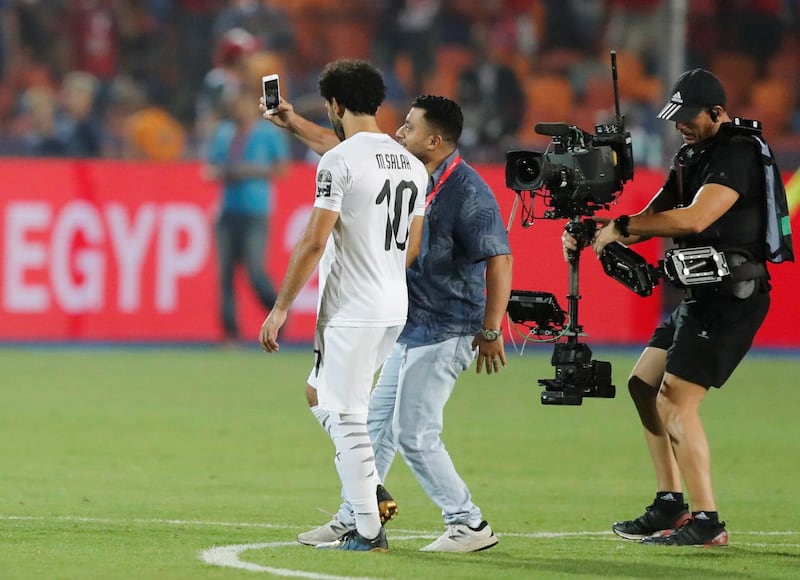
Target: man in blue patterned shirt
{"x":459,"y":287}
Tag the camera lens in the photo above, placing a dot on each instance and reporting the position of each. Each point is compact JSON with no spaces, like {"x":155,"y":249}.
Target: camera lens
{"x":526,"y":170}
{"x":529,"y":169}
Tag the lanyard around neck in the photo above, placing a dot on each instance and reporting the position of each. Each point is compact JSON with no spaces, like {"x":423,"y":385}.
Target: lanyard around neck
{"x":445,"y":174}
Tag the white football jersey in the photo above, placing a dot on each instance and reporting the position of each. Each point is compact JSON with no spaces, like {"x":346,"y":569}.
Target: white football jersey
{"x":376,"y":186}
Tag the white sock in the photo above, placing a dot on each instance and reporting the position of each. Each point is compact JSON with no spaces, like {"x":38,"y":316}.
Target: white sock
{"x":368,"y":525}
{"x":355,"y":462}
{"x":323,"y":416}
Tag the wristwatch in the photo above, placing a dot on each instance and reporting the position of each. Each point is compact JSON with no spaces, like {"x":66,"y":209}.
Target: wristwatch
{"x":489,"y":334}
{"x":621,"y":223}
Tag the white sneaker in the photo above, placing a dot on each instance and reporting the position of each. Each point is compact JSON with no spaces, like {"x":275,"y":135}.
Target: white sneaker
{"x":462,"y":538}
{"x":329,"y":532}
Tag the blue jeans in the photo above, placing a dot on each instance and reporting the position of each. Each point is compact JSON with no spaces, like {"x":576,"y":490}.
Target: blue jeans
{"x":241,"y":238}
{"x":406,"y":413}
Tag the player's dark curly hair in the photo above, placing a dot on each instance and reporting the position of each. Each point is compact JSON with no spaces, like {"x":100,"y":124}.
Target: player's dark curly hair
{"x":355,"y":84}
{"x":443,"y":114}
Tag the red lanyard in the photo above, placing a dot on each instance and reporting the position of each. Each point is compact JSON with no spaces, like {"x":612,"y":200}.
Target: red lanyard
{"x":445,"y":174}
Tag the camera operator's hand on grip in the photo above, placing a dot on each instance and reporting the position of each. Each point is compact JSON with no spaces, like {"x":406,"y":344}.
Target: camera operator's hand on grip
{"x":577,"y":235}
{"x":604,"y":236}
{"x":569,"y":247}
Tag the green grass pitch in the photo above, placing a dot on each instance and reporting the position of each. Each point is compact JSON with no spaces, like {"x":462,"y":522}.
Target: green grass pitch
{"x":135,"y":463}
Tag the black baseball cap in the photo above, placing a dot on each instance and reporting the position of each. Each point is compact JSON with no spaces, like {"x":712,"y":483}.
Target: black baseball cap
{"x":696,"y":89}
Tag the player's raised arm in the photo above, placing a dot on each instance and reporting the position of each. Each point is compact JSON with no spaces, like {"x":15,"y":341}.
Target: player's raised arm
{"x":317,"y":138}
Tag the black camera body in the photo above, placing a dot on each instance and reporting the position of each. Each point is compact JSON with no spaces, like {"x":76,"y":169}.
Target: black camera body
{"x":582,"y":174}
{"x":577,"y":376}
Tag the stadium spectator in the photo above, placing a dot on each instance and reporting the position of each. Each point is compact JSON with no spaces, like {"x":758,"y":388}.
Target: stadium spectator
{"x":194,"y":23}
{"x":412,"y":33}
{"x":223,"y":82}
{"x":52,"y":121}
{"x":39,"y":126}
{"x":266,"y":20}
{"x":33,"y":32}
{"x":465,"y":260}
{"x":78,"y":121}
{"x":704,"y":35}
{"x":245,"y":154}
{"x":493,"y":101}
{"x":364,"y":298}
{"x":165,"y":46}
{"x":636,"y":26}
{"x":93,"y":30}
{"x":759,"y":29}
{"x":147,"y":131}
{"x":146,"y":45}
{"x":714,"y":196}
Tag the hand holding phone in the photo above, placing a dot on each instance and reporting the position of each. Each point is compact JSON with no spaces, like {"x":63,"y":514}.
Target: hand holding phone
{"x":272,"y":95}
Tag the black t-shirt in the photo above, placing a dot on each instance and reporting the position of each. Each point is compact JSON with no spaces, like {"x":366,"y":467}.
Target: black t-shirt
{"x":734,"y":162}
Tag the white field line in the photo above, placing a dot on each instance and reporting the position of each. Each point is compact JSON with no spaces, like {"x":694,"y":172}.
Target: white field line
{"x":393,"y":530}
{"x":229,"y":556}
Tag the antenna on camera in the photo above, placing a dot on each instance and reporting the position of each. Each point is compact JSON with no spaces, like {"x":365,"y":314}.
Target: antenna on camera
{"x":620,"y":117}
{"x":614,"y":134}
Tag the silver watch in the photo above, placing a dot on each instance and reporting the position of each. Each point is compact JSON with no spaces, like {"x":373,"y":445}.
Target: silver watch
{"x":490,"y":334}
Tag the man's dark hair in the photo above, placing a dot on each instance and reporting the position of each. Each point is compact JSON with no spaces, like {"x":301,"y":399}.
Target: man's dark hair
{"x":355,"y":84}
{"x":445,"y":115}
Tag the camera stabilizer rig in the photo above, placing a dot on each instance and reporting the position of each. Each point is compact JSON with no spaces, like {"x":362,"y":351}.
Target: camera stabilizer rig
{"x":577,"y":374}
{"x":583,"y":173}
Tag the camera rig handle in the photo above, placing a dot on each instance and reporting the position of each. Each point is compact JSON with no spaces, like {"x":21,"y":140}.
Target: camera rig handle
{"x":583,"y":231}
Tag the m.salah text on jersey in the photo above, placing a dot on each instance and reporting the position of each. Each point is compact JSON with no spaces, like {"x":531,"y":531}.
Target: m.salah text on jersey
{"x":392,"y":161}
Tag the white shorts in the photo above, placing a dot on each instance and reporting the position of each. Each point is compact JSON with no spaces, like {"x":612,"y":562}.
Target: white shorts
{"x":347,"y":359}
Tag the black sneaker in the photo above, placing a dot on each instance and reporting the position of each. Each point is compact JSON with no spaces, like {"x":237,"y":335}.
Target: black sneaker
{"x":387,"y":507}
{"x":652,"y":522}
{"x":354,"y":542}
{"x":692,"y":533}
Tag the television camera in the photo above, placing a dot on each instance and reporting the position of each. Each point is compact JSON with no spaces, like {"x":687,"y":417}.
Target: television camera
{"x":579,"y":174}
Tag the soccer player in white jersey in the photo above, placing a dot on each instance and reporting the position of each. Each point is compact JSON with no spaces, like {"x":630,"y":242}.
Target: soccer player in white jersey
{"x":370,"y":197}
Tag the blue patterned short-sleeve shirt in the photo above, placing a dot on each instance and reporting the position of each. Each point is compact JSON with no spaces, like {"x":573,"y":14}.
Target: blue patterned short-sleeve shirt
{"x":447,"y":283}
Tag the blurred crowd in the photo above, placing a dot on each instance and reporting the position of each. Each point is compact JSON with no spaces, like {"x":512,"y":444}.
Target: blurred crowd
{"x":148,"y":79}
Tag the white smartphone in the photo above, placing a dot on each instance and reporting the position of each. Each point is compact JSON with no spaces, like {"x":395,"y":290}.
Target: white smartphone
{"x":272,"y":94}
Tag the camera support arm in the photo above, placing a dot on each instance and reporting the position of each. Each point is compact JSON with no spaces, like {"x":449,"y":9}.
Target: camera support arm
{"x":583,"y":231}
{"x":577,"y":375}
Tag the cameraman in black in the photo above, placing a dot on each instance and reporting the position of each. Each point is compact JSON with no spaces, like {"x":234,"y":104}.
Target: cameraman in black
{"x":714,"y":196}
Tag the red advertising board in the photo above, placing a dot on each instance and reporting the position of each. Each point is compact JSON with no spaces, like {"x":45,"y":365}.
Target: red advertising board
{"x":117,"y":251}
